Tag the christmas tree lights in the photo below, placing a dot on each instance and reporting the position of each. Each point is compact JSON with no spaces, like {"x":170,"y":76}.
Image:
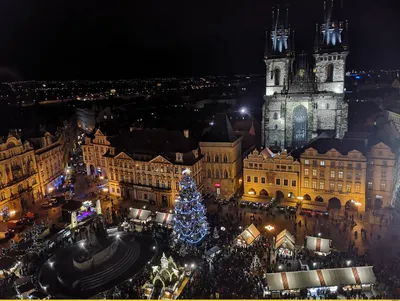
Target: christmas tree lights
{"x":190,"y":225}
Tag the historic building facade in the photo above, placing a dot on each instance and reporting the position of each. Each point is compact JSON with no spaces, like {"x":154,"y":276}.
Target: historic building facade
{"x":333,"y":179}
{"x":50,"y":161}
{"x":19,"y":179}
{"x":94,"y":148}
{"x":266,"y":174}
{"x":380,"y":176}
{"x":303,"y":99}
{"x":147,"y":165}
{"x":222,"y":150}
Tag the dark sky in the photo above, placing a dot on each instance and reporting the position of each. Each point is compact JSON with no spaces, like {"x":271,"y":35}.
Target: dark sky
{"x":57,"y":39}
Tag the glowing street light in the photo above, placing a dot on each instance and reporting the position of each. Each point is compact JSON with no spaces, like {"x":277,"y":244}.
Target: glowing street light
{"x":280,"y":267}
{"x":243,"y":110}
{"x":348,"y":262}
{"x":82,"y":244}
{"x":269,"y":227}
{"x":192,"y":265}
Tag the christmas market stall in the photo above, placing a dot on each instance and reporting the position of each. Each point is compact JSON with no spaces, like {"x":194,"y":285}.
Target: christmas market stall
{"x":164,"y":219}
{"x":75,"y":212}
{"x":166,"y":281}
{"x":285,"y":244}
{"x":319,"y":246}
{"x":248,"y":236}
{"x":140,"y":218}
{"x":330,"y":281}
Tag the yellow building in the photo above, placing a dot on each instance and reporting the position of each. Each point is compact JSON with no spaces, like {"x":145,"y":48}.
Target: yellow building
{"x":333,"y":175}
{"x":380,"y":176}
{"x":147,"y":165}
{"x":96,"y":145}
{"x":222,"y":150}
{"x":50,"y":160}
{"x":19,"y":181}
{"x":270,"y":175}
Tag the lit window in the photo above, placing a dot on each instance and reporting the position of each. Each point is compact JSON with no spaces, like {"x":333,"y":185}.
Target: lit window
{"x":357,"y":188}
{"x":383,"y":186}
{"x":307,"y":162}
{"x":321,"y":185}
{"x":340,"y":174}
{"x":306,"y":183}
{"x":333,"y":174}
{"x":331,"y":186}
{"x":322,"y":163}
{"x":314,"y":172}
{"x":348,"y":188}
{"x":314,"y":184}
{"x":306,"y":172}
{"x":369,"y":185}
{"x":339,"y":187}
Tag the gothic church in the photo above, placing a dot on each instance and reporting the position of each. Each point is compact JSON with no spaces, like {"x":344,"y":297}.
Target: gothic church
{"x":304,"y":100}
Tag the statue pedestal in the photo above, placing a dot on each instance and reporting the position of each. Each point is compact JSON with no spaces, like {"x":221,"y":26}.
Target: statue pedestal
{"x":97,"y":258}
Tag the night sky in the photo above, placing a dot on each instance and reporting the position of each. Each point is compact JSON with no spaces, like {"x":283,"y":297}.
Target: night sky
{"x":114,"y":39}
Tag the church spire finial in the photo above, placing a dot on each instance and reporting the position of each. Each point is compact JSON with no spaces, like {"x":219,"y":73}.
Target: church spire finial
{"x":287,"y":17}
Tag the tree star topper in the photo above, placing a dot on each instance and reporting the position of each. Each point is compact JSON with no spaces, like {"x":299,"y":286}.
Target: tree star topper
{"x":186,"y":171}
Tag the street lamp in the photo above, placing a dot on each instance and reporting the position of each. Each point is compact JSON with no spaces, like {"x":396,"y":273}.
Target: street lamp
{"x":243,"y":110}
{"x":269,"y":227}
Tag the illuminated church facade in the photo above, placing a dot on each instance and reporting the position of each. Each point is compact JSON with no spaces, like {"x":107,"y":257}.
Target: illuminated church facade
{"x":304,"y":96}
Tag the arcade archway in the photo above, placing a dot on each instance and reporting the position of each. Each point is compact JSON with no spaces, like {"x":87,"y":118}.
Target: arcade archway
{"x":334,"y":203}
{"x":263,"y":192}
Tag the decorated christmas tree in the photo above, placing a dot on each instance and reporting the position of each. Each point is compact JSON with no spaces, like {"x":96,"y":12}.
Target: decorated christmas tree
{"x":190,"y":225}
{"x":255,"y":264}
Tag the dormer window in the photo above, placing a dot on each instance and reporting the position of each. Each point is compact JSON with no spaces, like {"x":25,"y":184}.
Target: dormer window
{"x":179,"y":157}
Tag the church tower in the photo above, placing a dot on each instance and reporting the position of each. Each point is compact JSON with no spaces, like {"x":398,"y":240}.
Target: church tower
{"x":278,"y":53}
{"x":331,"y":50}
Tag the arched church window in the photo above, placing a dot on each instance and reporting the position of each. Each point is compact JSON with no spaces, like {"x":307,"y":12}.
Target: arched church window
{"x":225,"y":159}
{"x":277,"y":76}
{"x":272,"y":74}
{"x":276,"y":126}
{"x":216,"y":158}
{"x":327,"y":106}
{"x":275,"y":116}
{"x":225,"y":174}
{"x":329,"y":73}
{"x":209,"y":173}
{"x":217,"y":174}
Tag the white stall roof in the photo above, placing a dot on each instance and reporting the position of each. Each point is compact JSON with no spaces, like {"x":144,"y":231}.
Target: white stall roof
{"x":318,"y":244}
{"x":139,"y":214}
{"x":285,"y":239}
{"x":250,"y":234}
{"x":164,"y":218}
{"x":320,"y":278}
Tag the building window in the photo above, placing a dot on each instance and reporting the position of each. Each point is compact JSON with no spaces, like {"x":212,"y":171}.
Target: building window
{"x":306,"y":171}
{"x":307,"y":162}
{"x":217,"y":174}
{"x":357,"y":188}
{"x":321,"y":185}
{"x":327,"y":106}
{"x":157,"y":183}
{"x":339,"y":187}
{"x":278,"y":181}
{"x":276,"y":126}
{"x":255,"y":179}
{"x":294,"y":183}
{"x":329,"y":73}
{"x":321,"y":173}
{"x":385,"y":163}
{"x":331,"y":186}
{"x":285,"y":182}
{"x":263,"y":180}
{"x":348,"y":187}
{"x":248,"y":179}
{"x":118,"y":191}
{"x":358,"y":165}
{"x":306,"y":183}
{"x":333,"y":174}
{"x":341,"y":164}
{"x":209,"y":173}
{"x":314,"y":184}
{"x":350,"y":165}
{"x":314,"y":172}
{"x":383,"y":173}
{"x":383,"y":186}
{"x":277,"y":76}
{"x":216,"y":158}
{"x":333,"y":164}
{"x":225,"y":159}
{"x":340,"y":174}
{"x":275,"y":116}
{"x":225,"y":174}
{"x":369,"y":184}
{"x":349,"y":175}
{"x":322,"y":163}
{"x":208,"y":158}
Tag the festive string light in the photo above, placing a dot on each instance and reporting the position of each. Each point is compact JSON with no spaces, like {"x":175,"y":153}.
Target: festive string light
{"x":190,"y":224}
